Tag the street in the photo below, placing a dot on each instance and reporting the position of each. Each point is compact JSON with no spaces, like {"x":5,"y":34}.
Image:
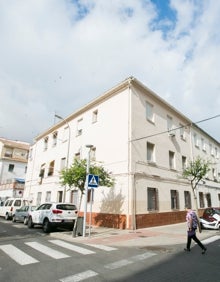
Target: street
{"x":30,"y":255}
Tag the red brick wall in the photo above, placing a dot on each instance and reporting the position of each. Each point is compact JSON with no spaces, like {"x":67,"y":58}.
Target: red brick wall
{"x":157,"y":219}
{"x":142,"y":220}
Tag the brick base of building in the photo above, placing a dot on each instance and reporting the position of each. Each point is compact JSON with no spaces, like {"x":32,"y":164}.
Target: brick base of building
{"x":119,"y":221}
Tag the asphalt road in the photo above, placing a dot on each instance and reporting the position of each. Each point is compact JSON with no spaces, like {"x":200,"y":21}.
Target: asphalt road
{"x":30,"y":255}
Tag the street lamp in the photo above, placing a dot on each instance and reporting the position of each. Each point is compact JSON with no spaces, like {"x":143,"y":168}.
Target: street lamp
{"x":86,"y":188}
{"x":68,"y":150}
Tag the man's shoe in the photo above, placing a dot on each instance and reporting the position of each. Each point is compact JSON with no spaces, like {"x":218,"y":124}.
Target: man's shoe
{"x":204,"y":250}
{"x":187,"y":250}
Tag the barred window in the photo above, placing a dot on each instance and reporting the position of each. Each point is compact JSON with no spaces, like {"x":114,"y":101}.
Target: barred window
{"x":152,"y":199}
{"x":174,"y":199}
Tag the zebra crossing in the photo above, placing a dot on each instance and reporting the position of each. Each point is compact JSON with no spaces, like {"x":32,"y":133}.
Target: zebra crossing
{"x":22,"y":258}
{"x":49,"y":249}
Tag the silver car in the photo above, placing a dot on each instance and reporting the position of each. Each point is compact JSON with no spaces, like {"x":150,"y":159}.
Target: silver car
{"x":22,"y":214}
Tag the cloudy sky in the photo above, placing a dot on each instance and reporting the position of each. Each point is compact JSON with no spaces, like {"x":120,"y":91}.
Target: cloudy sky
{"x":58,"y":55}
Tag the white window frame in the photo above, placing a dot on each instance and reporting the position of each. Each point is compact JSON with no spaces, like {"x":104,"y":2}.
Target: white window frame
{"x":150,"y":112}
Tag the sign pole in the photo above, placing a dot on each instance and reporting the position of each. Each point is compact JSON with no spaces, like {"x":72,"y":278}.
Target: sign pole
{"x":90,"y":216}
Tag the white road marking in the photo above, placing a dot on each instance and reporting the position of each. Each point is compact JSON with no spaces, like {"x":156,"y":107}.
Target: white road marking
{"x":19,"y":225}
{"x":17,"y":255}
{"x":124,"y":262}
{"x":102,"y":247}
{"x":118,"y":264}
{"x":211,"y":239}
{"x":46,"y":250}
{"x":79,"y":277}
{"x":72,"y":247}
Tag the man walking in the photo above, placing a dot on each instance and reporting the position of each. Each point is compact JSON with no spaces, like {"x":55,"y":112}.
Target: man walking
{"x":192,"y":224}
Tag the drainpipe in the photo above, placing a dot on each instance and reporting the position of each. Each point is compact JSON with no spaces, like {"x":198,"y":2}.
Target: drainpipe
{"x":131,"y":176}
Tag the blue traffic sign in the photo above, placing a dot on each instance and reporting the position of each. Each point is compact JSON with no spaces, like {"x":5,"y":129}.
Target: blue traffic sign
{"x":93,"y":181}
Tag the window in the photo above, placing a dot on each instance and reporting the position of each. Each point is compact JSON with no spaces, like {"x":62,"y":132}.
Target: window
{"x":208,"y":199}
{"x":152,"y":199}
{"x":196,"y":140}
{"x":171,"y":160}
{"x":211,"y":149}
{"x":149,"y":112}
{"x":150,"y":152}
{"x":174,"y":199}
{"x":169,"y":123}
{"x":62,"y":163}
{"x":182,"y":132}
{"x":77,"y":156}
{"x":201,"y":200}
{"x":41,"y":174}
{"x":219,"y":199}
{"x":59,"y":196}
{"x":79,"y":127}
{"x":48,"y":196}
{"x":39,"y":194}
{"x":214,"y":174}
{"x":184,"y":164}
{"x":74,"y":197}
{"x":216,"y":153}
{"x":8,"y":152}
{"x":17,"y":203}
{"x":55,"y":138}
{"x":51,"y":168}
{"x":66,"y":133}
{"x":46,"y":143}
{"x":203,"y":144}
{"x":11,"y":167}
{"x":187,"y":198}
{"x":95,"y":116}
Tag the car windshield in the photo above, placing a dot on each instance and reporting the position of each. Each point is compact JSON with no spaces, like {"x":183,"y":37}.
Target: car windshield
{"x":66,"y":207}
{"x":217,"y":211}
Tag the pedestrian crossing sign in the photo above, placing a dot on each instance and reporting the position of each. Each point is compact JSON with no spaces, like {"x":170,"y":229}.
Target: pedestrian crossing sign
{"x":93,"y":181}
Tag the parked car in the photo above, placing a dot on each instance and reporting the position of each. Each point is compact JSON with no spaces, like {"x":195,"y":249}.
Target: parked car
{"x":52,"y":215}
{"x":10,"y":205}
{"x":23,"y":213}
{"x":210,"y":218}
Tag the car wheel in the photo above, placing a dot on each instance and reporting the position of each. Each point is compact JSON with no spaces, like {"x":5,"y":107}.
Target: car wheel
{"x":46,"y":226}
{"x":30,"y":222}
{"x":25,"y":221}
{"x":7,"y":216}
{"x":13,"y":218}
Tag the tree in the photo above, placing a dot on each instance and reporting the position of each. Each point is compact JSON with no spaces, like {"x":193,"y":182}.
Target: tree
{"x":75,"y":176}
{"x":195,"y":172}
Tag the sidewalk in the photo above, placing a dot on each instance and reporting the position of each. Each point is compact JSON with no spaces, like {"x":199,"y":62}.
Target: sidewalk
{"x":154,"y":236}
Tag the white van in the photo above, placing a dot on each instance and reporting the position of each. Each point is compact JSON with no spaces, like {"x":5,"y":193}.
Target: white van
{"x":10,"y":205}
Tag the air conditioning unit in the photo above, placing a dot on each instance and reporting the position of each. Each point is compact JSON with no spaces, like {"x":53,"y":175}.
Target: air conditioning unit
{"x":172,"y":134}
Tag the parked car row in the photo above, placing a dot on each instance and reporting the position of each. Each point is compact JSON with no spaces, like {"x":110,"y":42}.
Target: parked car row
{"x":8,"y":208}
{"x":48,"y":215}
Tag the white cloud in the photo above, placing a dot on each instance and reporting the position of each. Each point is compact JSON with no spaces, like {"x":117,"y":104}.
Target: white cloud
{"x":57,"y":56}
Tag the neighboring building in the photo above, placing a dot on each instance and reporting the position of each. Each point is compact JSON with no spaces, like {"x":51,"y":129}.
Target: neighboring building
{"x":143,"y":141}
{"x":13,"y":166}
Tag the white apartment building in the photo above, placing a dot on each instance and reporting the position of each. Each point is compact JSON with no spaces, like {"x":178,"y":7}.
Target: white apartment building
{"x":13,"y":165}
{"x":143,"y":141}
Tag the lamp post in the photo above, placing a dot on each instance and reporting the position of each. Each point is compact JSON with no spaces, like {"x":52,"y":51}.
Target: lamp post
{"x":86,"y":188}
{"x":68,"y":150}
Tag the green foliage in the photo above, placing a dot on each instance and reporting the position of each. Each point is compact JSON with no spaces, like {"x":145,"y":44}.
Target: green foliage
{"x":196,"y":171}
{"x":75,"y":176}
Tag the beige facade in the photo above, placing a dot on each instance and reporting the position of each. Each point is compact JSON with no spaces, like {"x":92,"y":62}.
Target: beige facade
{"x":143,"y":141}
{"x":13,"y":164}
